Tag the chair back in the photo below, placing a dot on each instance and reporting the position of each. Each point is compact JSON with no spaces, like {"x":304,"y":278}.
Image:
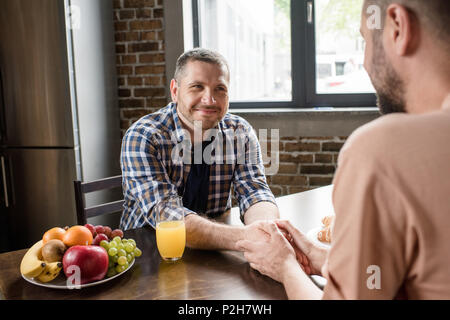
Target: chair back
{"x":81,"y":188}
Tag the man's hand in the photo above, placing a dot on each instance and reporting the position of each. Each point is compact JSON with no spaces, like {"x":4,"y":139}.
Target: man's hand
{"x":310,"y":256}
{"x":270,"y":253}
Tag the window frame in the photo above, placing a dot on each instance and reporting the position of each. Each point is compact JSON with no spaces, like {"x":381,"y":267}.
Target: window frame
{"x":303,"y":66}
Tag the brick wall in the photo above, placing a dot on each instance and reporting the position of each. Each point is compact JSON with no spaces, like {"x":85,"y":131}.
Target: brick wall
{"x":305,"y":163}
{"x":139,"y":36}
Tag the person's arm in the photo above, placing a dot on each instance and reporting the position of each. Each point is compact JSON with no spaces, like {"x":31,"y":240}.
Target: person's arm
{"x":255,"y":199}
{"x":263,"y":210}
{"x":276,"y":258}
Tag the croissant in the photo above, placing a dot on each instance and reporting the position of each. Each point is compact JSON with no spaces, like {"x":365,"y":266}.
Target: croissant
{"x":324,"y":235}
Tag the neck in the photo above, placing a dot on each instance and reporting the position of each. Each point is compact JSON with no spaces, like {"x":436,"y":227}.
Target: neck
{"x":427,"y":95}
{"x":197,"y":134}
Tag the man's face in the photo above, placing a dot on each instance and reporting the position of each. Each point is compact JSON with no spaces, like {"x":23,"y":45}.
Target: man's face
{"x":387,"y":83}
{"x":201,"y":93}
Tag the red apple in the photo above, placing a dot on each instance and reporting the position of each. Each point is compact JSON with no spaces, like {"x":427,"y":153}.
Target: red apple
{"x":91,"y":229}
{"x":99,"y":238}
{"x":92,"y":262}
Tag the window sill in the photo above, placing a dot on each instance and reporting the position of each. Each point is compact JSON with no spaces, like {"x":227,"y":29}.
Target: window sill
{"x":319,"y":111}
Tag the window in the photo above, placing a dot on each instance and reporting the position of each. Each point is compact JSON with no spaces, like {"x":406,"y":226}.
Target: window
{"x":287,"y":53}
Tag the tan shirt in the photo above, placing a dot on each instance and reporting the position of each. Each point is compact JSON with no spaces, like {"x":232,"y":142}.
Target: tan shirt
{"x":391,"y":237}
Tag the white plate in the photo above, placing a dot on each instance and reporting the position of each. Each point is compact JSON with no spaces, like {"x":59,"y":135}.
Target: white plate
{"x":312,"y":235}
{"x":60,"y":282}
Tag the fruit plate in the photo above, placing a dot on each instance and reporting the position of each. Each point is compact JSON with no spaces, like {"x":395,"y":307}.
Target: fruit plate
{"x":61,"y":281}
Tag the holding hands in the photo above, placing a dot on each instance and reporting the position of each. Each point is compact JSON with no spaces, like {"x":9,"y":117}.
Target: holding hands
{"x":282,"y":248}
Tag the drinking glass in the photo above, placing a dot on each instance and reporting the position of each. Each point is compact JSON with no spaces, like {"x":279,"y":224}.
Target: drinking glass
{"x":170,"y":228}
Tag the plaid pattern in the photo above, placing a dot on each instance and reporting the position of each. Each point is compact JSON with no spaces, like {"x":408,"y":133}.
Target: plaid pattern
{"x":151,"y":172}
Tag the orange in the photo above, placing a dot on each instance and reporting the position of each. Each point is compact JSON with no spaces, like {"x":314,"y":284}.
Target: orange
{"x":53,"y":233}
{"x":78,"y":235}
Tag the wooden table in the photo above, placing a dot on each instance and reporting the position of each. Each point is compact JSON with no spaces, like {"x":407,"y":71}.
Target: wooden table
{"x":220,"y":275}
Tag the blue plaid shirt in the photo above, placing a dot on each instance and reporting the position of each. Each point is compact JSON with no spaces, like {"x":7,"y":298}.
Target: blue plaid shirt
{"x":151,"y":172}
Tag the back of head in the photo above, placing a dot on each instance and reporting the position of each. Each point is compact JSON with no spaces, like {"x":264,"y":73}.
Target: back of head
{"x":433,"y":15}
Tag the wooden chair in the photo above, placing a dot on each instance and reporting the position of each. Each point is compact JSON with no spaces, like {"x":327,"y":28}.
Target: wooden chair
{"x":81,"y":188}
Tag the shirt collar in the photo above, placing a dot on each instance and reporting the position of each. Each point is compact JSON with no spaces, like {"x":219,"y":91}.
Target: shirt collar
{"x":181,"y":133}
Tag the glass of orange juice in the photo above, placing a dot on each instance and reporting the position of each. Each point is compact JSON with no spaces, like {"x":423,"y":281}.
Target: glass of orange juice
{"x":170,"y":228}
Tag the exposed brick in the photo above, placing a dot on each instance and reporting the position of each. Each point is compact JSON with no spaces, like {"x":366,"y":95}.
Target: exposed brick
{"x":134,"y":81}
{"x":287,"y":168}
{"x":158,"y":13}
{"x":296,"y":158}
{"x":156,"y":103}
{"x":134,"y":113}
{"x":323,"y":158}
{"x":124,"y":93}
{"x":292,"y":190}
{"x":143,"y":47}
{"x":316,"y":169}
{"x":138,"y":3}
{"x":120,"y":48}
{"x":126,"y":14}
{"x":290,"y":180}
{"x":124,"y":70}
{"x":276,"y":190}
{"x":320,"y":181}
{"x":129,"y":59}
{"x":302,"y":146}
{"x":152,"y":58}
{"x":149,"y":92}
{"x":149,"y":69}
{"x":145,"y":24}
{"x":132,"y":103}
{"x":121,"y":26}
{"x":143,"y":13}
{"x":149,"y":35}
{"x":152,"y":81}
{"x":332,"y":146}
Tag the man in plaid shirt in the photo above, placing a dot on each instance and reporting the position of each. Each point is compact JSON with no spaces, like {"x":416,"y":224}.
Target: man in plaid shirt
{"x":157,"y":151}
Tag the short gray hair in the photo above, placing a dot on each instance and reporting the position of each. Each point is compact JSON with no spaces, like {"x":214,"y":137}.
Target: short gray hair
{"x":199,"y":54}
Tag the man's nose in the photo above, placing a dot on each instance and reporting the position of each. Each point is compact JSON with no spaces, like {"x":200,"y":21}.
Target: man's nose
{"x":208,"y":97}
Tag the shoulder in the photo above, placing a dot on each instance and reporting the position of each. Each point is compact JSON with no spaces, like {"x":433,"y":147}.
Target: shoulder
{"x":380,"y":137}
{"x":157,"y":123}
{"x":235,"y":122}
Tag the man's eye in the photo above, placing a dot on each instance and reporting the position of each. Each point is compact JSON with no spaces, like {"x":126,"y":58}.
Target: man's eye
{"x":197,"y":86}
{"x":221,"y":89}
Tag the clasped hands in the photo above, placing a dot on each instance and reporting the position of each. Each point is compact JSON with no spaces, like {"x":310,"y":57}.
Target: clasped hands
{"x":272,"y":247}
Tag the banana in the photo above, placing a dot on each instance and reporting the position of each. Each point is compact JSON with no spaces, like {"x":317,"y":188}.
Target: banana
{"x":51,"y":271}
{"x":32,"y":264}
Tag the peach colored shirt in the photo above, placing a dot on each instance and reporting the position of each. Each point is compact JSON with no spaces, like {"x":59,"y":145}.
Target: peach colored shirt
{"x":391,"y":237}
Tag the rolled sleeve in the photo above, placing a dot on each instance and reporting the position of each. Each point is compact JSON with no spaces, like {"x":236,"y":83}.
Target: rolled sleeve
{"x":249,"y":180}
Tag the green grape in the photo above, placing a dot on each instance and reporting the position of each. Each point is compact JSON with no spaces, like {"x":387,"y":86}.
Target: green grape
{"x":124,"y":241}
{"x":120,"y":246}
{"x":130,"y":257}
{"x":137,"y":252}
{"x":121,"y":252}
{"x":115,"y":258}
{"x":132,"y":242}
{"x":122,"y":260}
{"x":112,"y":251}
{"x":111,"y":272}
{"x":117,"y":239}
{"x":129,"y":247}
{"x":113,"y":244}
{"x":104,"y":244}
{"x":120,"y":268}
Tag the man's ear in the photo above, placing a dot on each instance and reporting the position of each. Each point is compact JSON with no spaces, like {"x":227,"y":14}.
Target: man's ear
{"x":401,"y":30}
{"x":174,"y":90}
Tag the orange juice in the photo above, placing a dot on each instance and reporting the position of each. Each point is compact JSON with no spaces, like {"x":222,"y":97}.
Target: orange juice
{"x":171,"y":239}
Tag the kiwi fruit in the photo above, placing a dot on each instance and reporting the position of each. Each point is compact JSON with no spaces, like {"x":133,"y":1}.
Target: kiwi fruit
{"x":53,"y":250}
